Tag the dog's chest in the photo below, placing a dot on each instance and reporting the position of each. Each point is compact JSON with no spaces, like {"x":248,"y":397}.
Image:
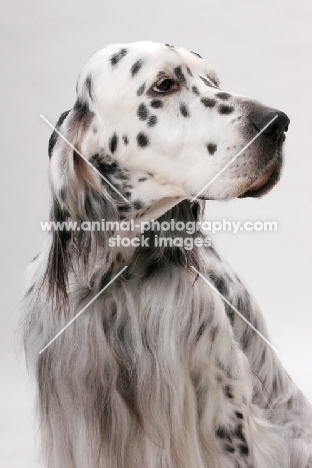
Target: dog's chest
{"x":179,"y":363}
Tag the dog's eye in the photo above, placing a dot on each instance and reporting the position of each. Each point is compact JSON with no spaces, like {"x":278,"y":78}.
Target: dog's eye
{"x":166,"y":85}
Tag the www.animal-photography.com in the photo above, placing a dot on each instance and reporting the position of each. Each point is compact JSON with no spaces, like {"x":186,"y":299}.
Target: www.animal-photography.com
{"x":156,"y":235}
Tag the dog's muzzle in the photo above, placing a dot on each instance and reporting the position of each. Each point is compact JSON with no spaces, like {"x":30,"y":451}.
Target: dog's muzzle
{"x":268,"y":143}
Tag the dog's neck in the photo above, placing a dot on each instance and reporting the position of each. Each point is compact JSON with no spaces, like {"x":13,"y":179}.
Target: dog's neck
{"x":90,"y":255}
{"x":148,"y":229}
{"x":154,"y":211}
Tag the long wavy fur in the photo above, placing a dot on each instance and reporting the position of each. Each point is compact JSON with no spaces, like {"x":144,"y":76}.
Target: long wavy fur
{"x":158,"y":372}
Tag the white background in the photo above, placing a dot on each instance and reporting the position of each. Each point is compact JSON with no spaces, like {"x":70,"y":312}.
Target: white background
{"x":260,"y":49}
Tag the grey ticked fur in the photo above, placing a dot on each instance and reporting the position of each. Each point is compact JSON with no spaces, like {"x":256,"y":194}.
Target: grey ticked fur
{"x":158,"y":372}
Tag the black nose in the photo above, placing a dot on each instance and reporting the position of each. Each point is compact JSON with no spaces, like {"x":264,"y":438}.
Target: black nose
{"x":275,"y":131}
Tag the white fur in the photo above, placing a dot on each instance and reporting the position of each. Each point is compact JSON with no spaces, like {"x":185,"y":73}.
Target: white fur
{"x":157,"y":372}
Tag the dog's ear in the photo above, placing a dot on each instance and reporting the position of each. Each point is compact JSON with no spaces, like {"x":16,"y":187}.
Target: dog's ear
{"x":77,"y":196}
{"x":70,"y":175}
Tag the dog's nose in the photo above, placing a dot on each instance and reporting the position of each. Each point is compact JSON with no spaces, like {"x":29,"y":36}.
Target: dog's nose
{"x":275,"y":131}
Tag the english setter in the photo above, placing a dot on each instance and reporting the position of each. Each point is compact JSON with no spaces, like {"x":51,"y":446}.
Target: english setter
{"x":159,"y":371}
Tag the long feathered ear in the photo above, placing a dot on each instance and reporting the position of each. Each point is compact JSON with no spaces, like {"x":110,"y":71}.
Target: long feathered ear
{"x":77,"y":195}
{"x":69,"y":173}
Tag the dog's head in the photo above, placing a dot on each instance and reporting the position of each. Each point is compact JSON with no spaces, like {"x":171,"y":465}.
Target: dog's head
{"x":150,"y":128}
{"x":153,"y":121}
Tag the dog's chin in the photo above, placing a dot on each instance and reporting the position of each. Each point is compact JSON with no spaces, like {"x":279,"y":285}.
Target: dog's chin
{"x":265,"y":182}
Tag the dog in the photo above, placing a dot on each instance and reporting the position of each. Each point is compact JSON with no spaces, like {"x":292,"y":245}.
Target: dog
{"x":158,"y":371}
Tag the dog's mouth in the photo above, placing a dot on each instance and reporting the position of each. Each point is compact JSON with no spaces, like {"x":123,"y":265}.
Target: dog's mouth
{"x":264,"y":182}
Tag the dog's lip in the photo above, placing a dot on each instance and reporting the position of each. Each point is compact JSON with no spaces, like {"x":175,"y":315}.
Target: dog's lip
{"x":265,"y":180}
